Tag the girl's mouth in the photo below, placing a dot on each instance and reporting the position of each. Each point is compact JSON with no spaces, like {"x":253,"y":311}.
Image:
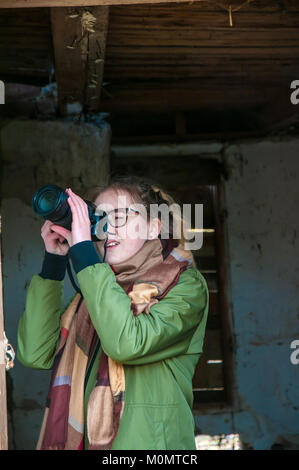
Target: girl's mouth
{"x":112,"y":244}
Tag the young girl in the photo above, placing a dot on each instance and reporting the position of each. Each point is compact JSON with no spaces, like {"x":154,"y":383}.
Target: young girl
{"x":123,"y":353}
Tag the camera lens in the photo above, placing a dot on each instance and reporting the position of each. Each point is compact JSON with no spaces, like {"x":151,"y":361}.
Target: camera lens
{"x":50,"y":202}
{"x":47,"y":201}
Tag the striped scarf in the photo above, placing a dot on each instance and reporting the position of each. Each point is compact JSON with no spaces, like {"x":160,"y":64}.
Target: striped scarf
{"x":146,"y":277}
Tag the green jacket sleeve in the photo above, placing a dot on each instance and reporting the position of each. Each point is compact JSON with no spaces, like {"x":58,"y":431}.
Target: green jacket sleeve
{"x":39,"y":326}
{"x":174,"y":326}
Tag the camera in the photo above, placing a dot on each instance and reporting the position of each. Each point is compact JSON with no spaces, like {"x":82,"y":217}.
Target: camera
{"x":50,"y":203}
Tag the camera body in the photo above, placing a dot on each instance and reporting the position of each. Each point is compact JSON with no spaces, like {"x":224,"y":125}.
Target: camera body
{"x":50,"y":203}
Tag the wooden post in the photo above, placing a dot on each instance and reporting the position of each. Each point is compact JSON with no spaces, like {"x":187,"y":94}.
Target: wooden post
{"x":79,"y":41}
{"x":3,"y":403}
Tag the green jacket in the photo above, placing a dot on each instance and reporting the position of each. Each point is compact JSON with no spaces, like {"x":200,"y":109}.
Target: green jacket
{"x":159,"y":351}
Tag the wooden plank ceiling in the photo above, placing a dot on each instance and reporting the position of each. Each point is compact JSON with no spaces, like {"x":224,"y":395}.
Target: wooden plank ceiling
{"x":82,"y":3}
{"x":177,"y":68}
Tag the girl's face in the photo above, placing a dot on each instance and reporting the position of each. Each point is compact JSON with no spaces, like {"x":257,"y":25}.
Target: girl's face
{"x":130,"y":236}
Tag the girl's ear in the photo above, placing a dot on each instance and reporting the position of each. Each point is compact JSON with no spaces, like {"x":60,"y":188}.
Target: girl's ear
{"x":154,"y":228}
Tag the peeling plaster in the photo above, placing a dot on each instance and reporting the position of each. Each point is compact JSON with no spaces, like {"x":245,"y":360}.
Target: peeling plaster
{"x":44,"y":152}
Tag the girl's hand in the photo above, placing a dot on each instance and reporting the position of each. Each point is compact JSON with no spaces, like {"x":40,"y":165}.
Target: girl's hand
{"x":54,"y":242}
{"x":80,"y":221}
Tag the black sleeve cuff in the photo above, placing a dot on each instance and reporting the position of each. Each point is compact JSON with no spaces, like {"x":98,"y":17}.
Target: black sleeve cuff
{"x":83,"y":254}
{"x":54,"y":266}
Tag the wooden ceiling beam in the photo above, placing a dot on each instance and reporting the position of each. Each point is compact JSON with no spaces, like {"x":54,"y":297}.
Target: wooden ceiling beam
{"x":177,"y":96}
{"x":79,"y":3}
{"x":198,"y":137}
{"x":180,"y":124}
{"x":279,"y":114}
{"x":79,"y":39}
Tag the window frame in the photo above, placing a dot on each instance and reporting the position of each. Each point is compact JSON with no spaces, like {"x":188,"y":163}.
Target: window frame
{"x":225,"y":304}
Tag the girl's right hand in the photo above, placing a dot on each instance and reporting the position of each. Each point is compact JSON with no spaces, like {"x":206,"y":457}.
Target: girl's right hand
{"x":55,"y":243}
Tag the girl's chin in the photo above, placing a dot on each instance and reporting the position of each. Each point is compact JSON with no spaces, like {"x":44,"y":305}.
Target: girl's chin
{"x":113,"y":258}
{"x":116,"y":258}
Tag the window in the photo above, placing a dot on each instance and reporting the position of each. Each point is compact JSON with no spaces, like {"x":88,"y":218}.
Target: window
{"x":209,"y":382}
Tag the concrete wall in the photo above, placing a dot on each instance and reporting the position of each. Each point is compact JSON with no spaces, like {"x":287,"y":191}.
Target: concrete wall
{"x":33,"y":154}
{"x":261,"y":198}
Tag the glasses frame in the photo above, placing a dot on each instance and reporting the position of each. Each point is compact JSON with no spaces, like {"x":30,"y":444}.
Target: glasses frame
{"x":127,"y":210}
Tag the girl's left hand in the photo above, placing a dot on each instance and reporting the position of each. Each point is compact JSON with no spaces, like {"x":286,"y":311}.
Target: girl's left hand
{"x":81,"y":230}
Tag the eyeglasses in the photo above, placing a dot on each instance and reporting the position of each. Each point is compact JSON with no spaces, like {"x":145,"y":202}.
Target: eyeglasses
{"x":116,"y":218}
{"x":119,"y":217}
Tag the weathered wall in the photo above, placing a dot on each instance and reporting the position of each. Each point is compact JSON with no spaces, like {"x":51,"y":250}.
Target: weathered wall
{"x":33,"y":154}
{"x":262,"y":199}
